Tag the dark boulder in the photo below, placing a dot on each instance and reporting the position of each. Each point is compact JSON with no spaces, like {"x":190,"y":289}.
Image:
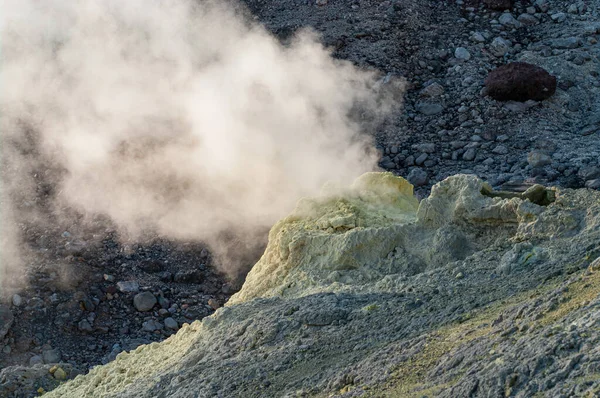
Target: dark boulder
{"x":520,"y":81}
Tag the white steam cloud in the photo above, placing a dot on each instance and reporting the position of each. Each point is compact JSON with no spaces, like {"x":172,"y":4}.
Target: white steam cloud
{"x":176,"y":116}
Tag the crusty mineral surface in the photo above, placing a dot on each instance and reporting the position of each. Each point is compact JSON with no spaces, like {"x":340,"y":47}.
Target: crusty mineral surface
{"x":369,"y":293}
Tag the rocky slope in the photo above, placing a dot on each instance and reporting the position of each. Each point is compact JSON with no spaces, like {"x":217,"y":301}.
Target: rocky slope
{"x":448,"y":125}
{"x":473,"y":292}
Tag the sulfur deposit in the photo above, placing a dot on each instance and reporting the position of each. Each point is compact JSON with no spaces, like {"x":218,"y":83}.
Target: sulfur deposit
{"x":470,"y":292}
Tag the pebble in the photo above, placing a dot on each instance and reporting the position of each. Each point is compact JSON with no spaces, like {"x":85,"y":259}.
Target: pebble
{"x":152,"y":325}
{"x":559,"y":17}
{"x":469,"y":154}
{"x":17,"y":300}
{"x":527,"y":19}
{"x":500,"y":150}
{"x":51,"y":356}
{"x":433,"y":90}
{"x":417,"y":177}
{"x":566,"y":43}
{"x":499,"y":47}
{"x":144,"y":301}
{"x":542,"y":5}
{"x":477,"y":37}
{"x":589,"y":173}
{"x":421,"y":159}
{"x":593,"y":184}
{"x":428,"y":109}
{"x":128,"y":286}
{"x":538,"y":159}
{"x":426,"y":147}
{"x":171,"y":323}
{"x":507,"y":19}
{"x":462,"y":54}
{"x":84,"y":326}
{"x":36,"y":360}
{"x":520,"y":107}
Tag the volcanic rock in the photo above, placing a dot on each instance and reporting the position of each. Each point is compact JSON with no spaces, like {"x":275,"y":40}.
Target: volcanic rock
{"x":6,"y":320}
{"x":372,"y":280}
{"x":144,"y":301}
{"x":520,"y":81}
{"x":498,"y":4}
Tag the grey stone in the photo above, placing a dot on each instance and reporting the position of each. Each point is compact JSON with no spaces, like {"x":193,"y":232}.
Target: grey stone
{"x":589,"y":130}
{"x":593,"y":184}
{"x":421,"y":159}
{"x":171,"y":323}
{"x":538,"y":159}
{"x":500,"y":150}
{"x":566,"y":43}
{"x":462,"y":54}
{"x":507,"y":19}
{"x":428,"y":147}
{"x":499,"y":46}
{"x":559,"y":17}
{"x":128,"y":286}
{"x":432,"y":90}
{"x":51,"y":356}
{"x":36,"y":360}
{"x":528,"y":20}
{"x":417,"y":177}
{"x":152,"y":325}
{"x":469,"y":154}
{"x":542,"y":5}
{"x":85,"y":326}
{"x":17,"y":300}
{"x":428,"y":108}
{"x":144,"y":301}
{"x":477,"y":37}
{"x":519,"y":107}
{"x":589,"y":173}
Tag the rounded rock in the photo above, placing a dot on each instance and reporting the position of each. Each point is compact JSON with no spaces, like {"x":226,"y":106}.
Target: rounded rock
{"x":171,"y":323}
{"x":144,"y":301}
{"x":462,"y":54}
{"x":520,"y":81}
{"x":417,"y":177}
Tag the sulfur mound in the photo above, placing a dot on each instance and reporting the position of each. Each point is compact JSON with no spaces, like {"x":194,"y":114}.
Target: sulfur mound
{"x":367,"y":292}
{"x":334,"y":238}
{"x":375,"y":229}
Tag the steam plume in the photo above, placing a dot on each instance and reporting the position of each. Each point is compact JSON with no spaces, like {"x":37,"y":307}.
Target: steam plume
{"x":180,"y":117}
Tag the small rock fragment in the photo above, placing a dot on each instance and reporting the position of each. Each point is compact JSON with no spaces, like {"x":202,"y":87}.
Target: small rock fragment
{"x":171,"y":323}
{"x":428,"y":108}
{"x":417,"y":177}
{"x":17,"y":300}
{"x":128,"y":286}
{"x":538,"y":159}
{"x":462,"y":54}
{"x":51,"y":356}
